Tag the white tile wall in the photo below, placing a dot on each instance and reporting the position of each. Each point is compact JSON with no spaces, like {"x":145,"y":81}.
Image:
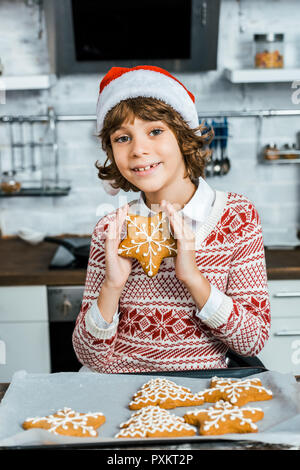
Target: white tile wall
{"x":275,"y":190}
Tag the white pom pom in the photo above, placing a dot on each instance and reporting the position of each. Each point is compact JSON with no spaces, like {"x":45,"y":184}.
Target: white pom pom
{"x":108,"y":188}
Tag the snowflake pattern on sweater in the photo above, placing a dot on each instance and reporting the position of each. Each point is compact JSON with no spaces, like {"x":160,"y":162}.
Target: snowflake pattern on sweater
{"x":158,"y":329}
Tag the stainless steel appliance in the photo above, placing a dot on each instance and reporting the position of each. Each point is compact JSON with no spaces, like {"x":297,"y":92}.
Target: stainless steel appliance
{"x":93,"y":36}
{"x":64,"y":304}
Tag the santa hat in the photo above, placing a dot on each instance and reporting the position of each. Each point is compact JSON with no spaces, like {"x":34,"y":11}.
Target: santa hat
{"x":121,"y":83}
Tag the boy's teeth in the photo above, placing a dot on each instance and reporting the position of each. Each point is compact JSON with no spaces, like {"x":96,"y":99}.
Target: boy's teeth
{"x":146,"y":167}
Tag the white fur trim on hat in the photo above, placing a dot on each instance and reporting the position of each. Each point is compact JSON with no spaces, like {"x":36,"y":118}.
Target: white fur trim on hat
{"x":146,"y":83}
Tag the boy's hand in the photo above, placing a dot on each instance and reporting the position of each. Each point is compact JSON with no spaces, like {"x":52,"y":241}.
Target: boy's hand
{"x":117,"y":268}
{"x":185,"y":261}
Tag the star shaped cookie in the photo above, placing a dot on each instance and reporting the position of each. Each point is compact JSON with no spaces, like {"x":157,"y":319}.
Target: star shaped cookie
{"x":236,"y":391}
{"x":68,"y":423}
{"x":149,"y":241}
{"x":224,"y":418}
{"x":153,"y":421}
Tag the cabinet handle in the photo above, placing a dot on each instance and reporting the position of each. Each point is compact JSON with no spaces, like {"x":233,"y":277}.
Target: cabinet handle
{"x":2,"y":352}
{"x":287,"y":294}
{"x":287,"y":333}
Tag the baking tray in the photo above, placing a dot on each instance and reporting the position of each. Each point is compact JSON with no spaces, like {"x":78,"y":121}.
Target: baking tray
{"x":42,"y":394}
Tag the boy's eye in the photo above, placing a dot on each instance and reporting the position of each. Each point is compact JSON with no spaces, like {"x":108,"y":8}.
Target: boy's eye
{"x":124,"y":138}
{"x":121,"y":138}
{"x":156,"y":131}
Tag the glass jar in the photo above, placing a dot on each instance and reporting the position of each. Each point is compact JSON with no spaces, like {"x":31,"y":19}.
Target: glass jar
{"x":270,"y":152}
{"x":269,"y":50}
{"x":9,"y":184}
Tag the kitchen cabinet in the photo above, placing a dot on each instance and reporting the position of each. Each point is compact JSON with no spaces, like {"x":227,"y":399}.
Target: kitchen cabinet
{"x":282,"y":351}
{"x":24,"y":330}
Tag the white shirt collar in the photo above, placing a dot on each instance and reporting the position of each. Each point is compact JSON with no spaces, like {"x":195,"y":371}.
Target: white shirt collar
{"x":198,"y":208}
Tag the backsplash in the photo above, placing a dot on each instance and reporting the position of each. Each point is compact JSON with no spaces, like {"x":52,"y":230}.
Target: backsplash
{"x":274,"y":189}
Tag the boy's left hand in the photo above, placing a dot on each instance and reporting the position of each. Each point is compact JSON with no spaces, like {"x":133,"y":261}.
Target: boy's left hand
{"x":185,"y":261}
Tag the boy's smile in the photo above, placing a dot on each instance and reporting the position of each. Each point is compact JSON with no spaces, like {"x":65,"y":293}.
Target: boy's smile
{"x":147,"y":154}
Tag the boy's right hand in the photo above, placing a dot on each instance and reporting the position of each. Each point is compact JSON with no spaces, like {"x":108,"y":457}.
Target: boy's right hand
{"x":117,"y":268}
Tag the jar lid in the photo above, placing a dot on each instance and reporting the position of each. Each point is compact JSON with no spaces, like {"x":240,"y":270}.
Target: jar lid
{"x":9,"y":173}
{"x":270,"y":37}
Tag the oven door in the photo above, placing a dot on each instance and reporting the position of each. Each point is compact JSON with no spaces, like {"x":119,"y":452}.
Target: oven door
{"x":64,"y":303}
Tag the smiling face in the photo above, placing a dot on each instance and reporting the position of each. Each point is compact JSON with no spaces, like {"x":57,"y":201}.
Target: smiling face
{"x":140,"y":143}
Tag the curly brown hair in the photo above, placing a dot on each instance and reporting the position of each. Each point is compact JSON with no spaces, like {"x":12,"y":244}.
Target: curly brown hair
{"x":194,"y":147}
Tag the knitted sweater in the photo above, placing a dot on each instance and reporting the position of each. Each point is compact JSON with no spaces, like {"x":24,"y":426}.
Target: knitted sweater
{"x":158,"y":327}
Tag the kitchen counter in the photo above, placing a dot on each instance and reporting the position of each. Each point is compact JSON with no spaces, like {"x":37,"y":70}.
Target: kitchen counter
{"x":24,"y":264}
{"x":203,"y":445}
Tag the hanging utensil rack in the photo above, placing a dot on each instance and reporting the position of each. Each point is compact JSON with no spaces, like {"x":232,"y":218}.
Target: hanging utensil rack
{"x":260,"y":115}
{"x":59,"y":187}
{"x":32,"y":155}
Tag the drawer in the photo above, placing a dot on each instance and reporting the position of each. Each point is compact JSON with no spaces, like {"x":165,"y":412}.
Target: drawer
{"x":282,"y":351}
{"x":284,"y":298}
{"x":23,"y":303}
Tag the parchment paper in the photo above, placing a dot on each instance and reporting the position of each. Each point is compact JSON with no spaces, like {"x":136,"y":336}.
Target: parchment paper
{"x":32,"y":395}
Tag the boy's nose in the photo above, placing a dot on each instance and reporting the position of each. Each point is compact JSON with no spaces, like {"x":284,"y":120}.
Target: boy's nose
{"x":139,"y":147}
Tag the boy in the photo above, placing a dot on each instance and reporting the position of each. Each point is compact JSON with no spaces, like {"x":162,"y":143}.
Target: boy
{"x":213,"y":295}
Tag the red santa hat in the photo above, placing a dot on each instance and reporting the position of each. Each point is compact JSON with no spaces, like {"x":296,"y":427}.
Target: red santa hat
{"x":121,"y":83}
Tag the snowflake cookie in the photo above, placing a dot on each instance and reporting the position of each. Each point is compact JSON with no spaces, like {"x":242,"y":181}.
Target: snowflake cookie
{"x":68,"y":423}
{"x":153,"y":421}
{"x":166,"y":394}
{"x":236,"y":391}
{"x":224,"y":418}
{"x":148,"y":240}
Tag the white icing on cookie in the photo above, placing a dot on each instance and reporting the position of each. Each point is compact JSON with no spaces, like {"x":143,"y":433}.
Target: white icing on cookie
{"x":149,"y":240}
{"x":159,"y":390}
{"x":65,"y":417}
{"x":224,"y":411}
{"x":234,"y":388}
{"x":152,"y":419}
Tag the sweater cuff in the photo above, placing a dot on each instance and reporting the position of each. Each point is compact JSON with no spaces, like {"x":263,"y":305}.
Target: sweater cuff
{"x":212,"y":304}
{"x":217,"y":309}
{"x":97,"y":326}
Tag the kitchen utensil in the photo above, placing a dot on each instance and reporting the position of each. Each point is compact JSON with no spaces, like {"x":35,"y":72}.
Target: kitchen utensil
{"x":217,"y":161}
{"x":12,"y":144}
{"x":298,"y":140}
{"x":22,"y":143}
{"x":31,"y":236}
{"x":32,"y":146}
{"x":225,"y":163}
{"x":81,"y":253}
{"x":213,"y":148}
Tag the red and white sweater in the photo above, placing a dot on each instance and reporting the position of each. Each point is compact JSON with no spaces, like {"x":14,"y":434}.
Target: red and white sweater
{"x":159,"y":327}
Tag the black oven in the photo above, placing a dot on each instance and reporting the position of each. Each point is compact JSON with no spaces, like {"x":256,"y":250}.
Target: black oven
{"x":64,"y":304}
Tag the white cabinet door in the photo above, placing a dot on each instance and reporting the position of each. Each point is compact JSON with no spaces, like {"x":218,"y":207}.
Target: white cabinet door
{"x":24,"y":330}
{"x":23,"y":303}
{"x":26,"y":348}
{"x":282,"y":350}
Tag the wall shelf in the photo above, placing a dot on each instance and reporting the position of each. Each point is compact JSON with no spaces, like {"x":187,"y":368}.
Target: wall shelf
{"x":26,"y":82}
{"x":262,"y":75}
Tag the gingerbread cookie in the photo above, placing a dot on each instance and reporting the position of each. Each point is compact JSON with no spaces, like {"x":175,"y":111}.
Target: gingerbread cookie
{"x":68,"y":423}
{"x":166,"y":394}
{"x":236,"y":391}
{"x":149,"y":241}
{"x":153,"y":421}
{"x":224,"y":418}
